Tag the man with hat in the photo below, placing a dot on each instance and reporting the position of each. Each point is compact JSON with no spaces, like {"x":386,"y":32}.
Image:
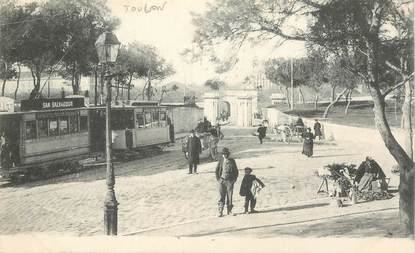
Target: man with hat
{"x":193,"y":149}
{"x":226,"y":175}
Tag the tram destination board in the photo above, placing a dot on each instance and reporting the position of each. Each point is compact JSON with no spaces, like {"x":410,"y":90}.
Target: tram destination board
{"x":51,"y":103}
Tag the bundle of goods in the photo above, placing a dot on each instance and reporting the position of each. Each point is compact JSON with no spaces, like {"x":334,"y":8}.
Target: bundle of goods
{"x":343,"y":176}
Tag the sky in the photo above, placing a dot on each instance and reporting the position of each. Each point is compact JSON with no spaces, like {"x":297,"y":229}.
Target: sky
{"x":168,"y":27}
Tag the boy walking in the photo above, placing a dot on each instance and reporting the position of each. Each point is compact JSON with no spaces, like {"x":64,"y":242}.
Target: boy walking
{"x":249,"y":187}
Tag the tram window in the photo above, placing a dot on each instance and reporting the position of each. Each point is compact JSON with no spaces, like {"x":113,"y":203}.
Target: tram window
{"x":148,"y":119}
{"x":140,"y":120}
{"x":122,"y":120}
{"x":63,"y":125}
{"x":73,"y":124}
{"x":155,"y":122}
{"x":43,"y":127}
{"x":163,"y":122}
{"x":53,"y":127}
{"x":84,"y":123}
{"x":31,"y":129}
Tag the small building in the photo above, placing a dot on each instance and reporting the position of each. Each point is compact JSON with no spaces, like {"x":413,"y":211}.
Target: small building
{"x":277,"y":98}
{"x":184,"y":116}
{"x":6,"y":104}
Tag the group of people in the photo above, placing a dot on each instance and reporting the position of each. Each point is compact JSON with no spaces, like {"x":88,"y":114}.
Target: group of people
{"x":226,"y":175}
{"x":307,"y":135}
{"x":226,"y":172}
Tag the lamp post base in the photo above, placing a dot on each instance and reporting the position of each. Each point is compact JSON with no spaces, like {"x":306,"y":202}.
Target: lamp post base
{"x":110,"y":217}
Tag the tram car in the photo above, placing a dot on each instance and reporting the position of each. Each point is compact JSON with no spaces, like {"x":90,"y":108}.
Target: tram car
{"x":52,"y":135}
{"x":134,"y":126}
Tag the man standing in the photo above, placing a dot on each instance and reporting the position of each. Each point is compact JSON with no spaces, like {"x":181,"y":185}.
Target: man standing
{"x":226,"y":175}
{"x":317,"y":129}
{"x":261,"y":132}
{"x":193,"y":149}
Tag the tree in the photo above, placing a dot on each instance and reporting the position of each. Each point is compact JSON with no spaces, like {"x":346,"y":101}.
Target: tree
{"x":340,"y":77}
{"x":214,"y":84}
{"x":83,"y":22}
{"x":319,"y":70}
{"x":142,"y":61}
{"x":358,"y":31}
{"x":9,"y":13}
{"x":365,"y":38}
{"x":7,"y":72}
{"x":278,"y":71}
{"x":41,"y":42}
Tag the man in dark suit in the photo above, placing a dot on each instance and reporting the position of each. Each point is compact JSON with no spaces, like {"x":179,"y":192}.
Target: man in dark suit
{"x":226,"y":175}
{"x":262,"y":132}
{"x":193,"y":149}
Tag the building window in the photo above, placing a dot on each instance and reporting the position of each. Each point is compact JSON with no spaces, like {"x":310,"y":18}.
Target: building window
{"x":163,"y":119}
{"x":73,"y":124}
{"x":63,"y":125}
{"x":148,"y":119}
{"x":31,"y":129}
{"x":140,"y":120}
{"x":84,"y":123}
{"x":155,"y":116}
{"x":53,"y":127}
{"x":43,"y":127}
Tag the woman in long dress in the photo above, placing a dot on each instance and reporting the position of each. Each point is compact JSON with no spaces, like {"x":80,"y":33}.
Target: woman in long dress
{"x":308,"y":143}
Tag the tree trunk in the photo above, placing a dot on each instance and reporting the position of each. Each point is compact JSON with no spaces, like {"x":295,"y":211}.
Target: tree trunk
{"x":102,"y":85}
{"x":96,"y":86}
{"x":349,"y":101}
{"x":326,"y":112}
{"x":407,"y":120}
{"x":73,"y":77}
{"x":4,"y":79}
{"x":316,"y":101}
{"x":36,"y":74}
{"x":75,"y":86}
{"x":18,"y":81}
{"x":301,"y":95}
{"x":287,"y":97}
{"x":406,"y":165}
{"x":149,"y":86}
{"x":3,"y":87}
{"x":129,"y":87}
{"x":333,"y":93}
{"x":118,"y":88}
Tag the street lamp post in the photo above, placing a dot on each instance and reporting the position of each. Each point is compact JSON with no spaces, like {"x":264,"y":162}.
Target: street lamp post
{"x":107,"y":46}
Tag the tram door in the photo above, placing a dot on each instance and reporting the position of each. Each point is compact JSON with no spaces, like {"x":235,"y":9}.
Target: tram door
{"x":11,"y":136}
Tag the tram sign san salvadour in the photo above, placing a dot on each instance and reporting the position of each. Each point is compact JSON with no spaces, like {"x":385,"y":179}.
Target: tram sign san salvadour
{"x":52,"y":103}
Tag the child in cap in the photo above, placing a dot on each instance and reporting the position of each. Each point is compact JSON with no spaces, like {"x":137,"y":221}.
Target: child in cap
{"x":249,"y":187}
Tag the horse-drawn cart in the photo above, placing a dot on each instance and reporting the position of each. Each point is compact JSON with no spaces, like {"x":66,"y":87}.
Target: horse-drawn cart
{"x":288,"y":133}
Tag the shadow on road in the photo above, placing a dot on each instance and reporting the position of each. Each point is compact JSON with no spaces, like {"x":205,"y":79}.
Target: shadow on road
{"x":328,"y":226}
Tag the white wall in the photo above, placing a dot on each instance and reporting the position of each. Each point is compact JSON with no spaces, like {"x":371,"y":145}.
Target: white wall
{"x":185,"y":118}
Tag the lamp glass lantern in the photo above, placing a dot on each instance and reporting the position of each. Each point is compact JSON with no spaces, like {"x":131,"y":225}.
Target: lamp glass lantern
{"x":107,"y":46}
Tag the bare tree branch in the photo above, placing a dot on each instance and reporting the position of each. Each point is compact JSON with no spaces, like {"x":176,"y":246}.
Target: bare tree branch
{"x":397,"y":86}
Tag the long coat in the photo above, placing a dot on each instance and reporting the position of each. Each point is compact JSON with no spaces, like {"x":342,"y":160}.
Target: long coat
{"x":193,"y":148}
{"x":308,"y":144}
{"x":262,"y":132}
{"x":317,"y":129}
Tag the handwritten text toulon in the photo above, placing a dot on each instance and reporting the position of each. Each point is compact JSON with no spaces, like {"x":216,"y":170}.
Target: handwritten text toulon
{"x":145,"y":8}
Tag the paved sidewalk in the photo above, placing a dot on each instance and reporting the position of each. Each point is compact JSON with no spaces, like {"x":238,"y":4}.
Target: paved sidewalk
{"x":316,"y":218}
